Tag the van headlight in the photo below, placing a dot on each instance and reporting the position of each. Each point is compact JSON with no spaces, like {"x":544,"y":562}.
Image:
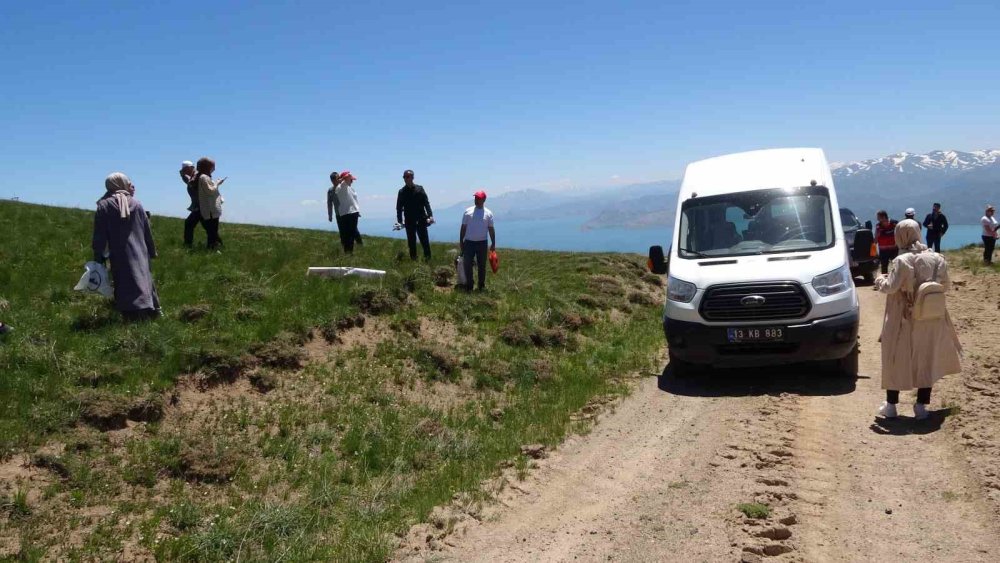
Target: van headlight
{"x":680,"y":290}
{"x":832,"y":283}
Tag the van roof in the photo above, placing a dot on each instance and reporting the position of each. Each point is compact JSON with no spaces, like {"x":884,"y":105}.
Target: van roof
{"x":753,"y":170}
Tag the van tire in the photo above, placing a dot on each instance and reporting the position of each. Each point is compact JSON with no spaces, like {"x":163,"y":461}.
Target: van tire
{"x":869,"y":277}
{"x":848,"y":365}
{"x":678,"y":367}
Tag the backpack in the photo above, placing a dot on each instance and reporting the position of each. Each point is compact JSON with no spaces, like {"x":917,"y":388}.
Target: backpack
{"x":929,"y":301}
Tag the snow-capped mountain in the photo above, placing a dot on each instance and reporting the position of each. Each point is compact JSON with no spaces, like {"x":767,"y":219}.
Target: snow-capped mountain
{"x":912,"y":163}
{"x":963,"y":182}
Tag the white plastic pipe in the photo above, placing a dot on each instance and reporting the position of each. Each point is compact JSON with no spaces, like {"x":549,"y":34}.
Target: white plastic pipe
{"x":340,"y":272}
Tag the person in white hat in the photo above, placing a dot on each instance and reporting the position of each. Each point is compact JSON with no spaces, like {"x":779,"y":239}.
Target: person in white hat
{"x":911,"y":213}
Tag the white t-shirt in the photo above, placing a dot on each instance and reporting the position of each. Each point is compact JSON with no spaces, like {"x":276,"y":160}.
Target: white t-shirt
{"x":347,"y":199}
{"x":477,"y":222}
{"x":989,"y":226}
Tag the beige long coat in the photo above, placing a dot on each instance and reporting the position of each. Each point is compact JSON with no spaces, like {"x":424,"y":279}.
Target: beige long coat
{"x":209,"y":197}
{"x":915,"y":353}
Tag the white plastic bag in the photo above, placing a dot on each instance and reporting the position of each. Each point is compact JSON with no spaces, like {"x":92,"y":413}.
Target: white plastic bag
{"x":95,"y":279}
{"x":460,"y":270}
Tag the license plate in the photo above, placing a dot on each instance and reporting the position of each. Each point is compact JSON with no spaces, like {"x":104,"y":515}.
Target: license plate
{"x":756,"y":334}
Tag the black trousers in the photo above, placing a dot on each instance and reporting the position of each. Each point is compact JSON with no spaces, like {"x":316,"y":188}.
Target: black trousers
{"x":414,"y":231}
{"x":923,"y":396}
{"x":189,"y":224}
{"x":885,"y":256}
{"x":989,"y":243}
{"x":349,"y":233}
{"x":474,"y":250}
{"x":934,"y":241}
{"x":212,"y":228}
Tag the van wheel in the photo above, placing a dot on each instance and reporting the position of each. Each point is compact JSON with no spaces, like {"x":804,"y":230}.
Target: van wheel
{"x":848,"y":365}
{"x":678,"y":367}
{"x":869,"y":277}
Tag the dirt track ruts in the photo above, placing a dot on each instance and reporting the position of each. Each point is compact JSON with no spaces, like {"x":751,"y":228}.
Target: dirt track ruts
{"x":659,"y":478}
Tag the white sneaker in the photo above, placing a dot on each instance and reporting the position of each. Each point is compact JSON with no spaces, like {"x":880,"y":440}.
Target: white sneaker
{"x":920,"y":411}
{"x":887,"y":410}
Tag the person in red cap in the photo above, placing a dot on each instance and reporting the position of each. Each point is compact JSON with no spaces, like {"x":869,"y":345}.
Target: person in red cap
{"x":348,"y":211}
{"x":477,"y":223}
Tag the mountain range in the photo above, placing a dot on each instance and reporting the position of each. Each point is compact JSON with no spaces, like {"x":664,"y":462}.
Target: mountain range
{"x":963,"y":182}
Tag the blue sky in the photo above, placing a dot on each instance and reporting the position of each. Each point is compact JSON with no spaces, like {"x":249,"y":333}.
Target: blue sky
{"x":475,"y":94}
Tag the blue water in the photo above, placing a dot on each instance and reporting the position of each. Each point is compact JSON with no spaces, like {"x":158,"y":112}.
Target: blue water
{"x":566,"y":234}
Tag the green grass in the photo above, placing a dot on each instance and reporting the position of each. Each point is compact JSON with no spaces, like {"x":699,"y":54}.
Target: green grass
{"x":970,"y":258}
{"x":754,"y":510}
{"x":339,"y":456}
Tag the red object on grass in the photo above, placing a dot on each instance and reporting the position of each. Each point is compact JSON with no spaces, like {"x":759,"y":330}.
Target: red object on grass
{"x":494,"y":261}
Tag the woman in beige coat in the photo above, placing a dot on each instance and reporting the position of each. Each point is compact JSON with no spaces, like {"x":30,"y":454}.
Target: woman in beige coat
{"x":209,"y":200}
{"x":915,"y":353}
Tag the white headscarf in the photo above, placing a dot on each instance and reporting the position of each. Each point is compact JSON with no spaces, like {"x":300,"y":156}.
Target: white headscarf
{"x":118,"y":185}
{"x":908,"y":236}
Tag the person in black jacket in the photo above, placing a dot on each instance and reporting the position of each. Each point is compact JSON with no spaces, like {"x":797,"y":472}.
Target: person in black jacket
{"x":937,"y":225}
{"x":194,"y":216}
{"x":412,"y":203}
{"x":331,"y":200}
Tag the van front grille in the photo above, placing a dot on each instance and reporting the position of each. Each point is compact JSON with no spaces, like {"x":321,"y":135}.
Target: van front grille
{"x":755,"y":302}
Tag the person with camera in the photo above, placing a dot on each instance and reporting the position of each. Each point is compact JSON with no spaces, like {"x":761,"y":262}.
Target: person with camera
{"x":413,"y":212}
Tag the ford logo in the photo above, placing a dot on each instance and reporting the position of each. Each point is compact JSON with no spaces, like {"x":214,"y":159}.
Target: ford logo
{"x":753,"y":301}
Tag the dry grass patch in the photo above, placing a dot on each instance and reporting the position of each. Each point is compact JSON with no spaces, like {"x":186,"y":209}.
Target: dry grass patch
{"x":111,"y":411}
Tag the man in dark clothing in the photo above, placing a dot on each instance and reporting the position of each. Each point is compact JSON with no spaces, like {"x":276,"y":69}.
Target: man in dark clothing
{"x":331,"y":200}
{"x":194,"y":216}
{"x":413,"y":203}
{"x":937,"y":226}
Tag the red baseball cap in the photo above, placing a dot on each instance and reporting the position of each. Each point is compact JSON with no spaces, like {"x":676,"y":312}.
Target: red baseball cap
{"x":479,"y":195}
{"x":347,"y":174}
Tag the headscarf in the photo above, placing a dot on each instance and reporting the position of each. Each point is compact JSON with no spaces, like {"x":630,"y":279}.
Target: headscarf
{"x":908,"y":236}
{"x":117,"y":185}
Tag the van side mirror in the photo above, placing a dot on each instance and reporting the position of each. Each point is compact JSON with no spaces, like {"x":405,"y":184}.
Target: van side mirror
{"x":868,"y":225}
{"x":863,"y":243}
{"x":657,"y":264}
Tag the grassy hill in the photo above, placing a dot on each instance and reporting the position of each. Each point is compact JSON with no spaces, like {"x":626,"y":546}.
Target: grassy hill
{"x":269,"y":415}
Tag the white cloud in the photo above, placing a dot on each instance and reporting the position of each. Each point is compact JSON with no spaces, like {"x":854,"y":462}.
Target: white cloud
{"x":309,"y":203}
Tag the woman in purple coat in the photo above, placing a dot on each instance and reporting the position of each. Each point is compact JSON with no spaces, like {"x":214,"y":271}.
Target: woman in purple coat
{"x":122,"y":233}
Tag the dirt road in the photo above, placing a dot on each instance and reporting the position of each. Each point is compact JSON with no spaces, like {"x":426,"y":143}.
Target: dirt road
{"x":661,"y":476}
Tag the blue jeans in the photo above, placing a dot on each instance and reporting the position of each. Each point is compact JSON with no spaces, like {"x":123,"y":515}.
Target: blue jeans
{"x":474,"y":250}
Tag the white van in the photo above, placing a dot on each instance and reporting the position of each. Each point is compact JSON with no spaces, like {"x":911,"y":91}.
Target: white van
{"x":759,"y":271}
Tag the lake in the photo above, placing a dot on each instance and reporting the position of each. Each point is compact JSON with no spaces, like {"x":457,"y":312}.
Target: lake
{"x":566,"y":235}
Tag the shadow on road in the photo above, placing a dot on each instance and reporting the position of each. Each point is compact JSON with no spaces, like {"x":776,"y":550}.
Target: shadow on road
{"x":798,"y":379}
{"x":905,"y":425}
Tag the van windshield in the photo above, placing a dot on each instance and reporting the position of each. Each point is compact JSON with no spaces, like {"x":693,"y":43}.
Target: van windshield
{"x":766,"y":221}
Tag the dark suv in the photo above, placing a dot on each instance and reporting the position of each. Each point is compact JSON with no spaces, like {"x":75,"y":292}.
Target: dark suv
{"x":865,"y":267}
